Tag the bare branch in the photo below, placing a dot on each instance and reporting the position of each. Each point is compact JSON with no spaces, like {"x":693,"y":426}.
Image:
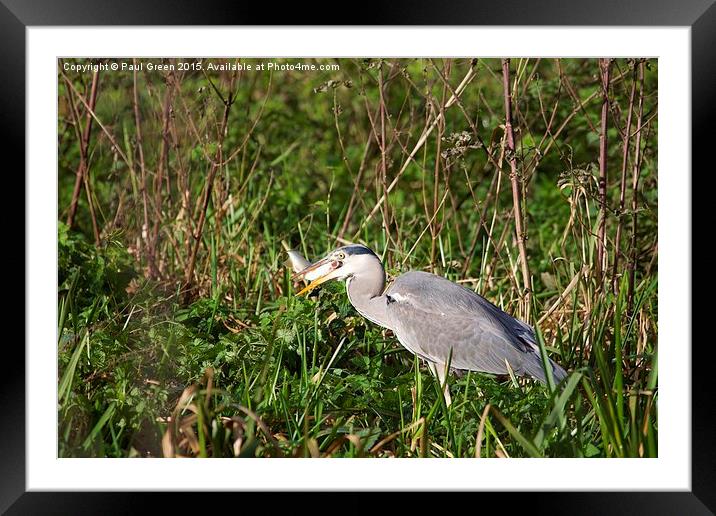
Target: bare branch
{"x":520,"y":230}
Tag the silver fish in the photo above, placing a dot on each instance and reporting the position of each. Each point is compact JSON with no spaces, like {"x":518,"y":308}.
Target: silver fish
{"x":297,"y":262}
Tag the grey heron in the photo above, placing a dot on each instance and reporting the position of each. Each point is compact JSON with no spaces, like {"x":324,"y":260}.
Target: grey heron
{"x":445,"y":324}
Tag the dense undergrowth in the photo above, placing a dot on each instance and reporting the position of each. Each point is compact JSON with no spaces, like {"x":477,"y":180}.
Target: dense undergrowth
{"x":178,"y":330}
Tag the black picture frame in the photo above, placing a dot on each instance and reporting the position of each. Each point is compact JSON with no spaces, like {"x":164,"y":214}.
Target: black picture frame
{"x":699,"y":15}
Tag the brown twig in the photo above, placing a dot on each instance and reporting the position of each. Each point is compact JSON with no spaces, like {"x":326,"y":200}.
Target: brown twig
{"x":542,"y":152}
{"x":520,"y":230}
{"x":635,"y":192}
{"x":434,"y":224}
{"x":85,"y":174}
{"x":163,"y":157}
{"x":111,"y":138}
{"x":356,"y":190}
{"x":385,"y":207}
{"x":215,"y":165}
{"x":421,"y":141}
{"x":143,"y":176}
{"x":622,"y":186}
{"x":471,"y":123}
{"x":84,"y":146}
{"x":580,"y":106}
{"x":604,"y":68}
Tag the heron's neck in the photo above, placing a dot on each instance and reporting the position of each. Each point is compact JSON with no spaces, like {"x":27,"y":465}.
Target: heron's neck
{"x":365,"y":292}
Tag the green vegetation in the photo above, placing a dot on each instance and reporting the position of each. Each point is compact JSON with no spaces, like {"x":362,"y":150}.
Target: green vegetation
{"x":178,"y":329}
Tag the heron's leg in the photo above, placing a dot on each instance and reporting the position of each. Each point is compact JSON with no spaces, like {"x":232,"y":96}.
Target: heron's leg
{"x":439,"y":371}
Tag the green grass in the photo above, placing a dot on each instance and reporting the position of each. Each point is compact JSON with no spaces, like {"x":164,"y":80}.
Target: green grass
{"x":237,"y":365}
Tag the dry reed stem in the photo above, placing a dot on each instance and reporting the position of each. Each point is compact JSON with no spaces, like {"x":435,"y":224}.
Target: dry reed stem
{"x":622,"y":184}
{"x":520,"y":230}
{"x":604,"y":67}
{"x":635,"y":192}
{"x":82,"y":168}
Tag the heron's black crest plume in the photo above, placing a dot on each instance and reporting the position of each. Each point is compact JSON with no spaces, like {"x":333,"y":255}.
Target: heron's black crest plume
{"x":353,"y":250}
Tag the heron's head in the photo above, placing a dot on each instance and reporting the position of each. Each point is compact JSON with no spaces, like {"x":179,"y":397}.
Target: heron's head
{"x":340,"y":264}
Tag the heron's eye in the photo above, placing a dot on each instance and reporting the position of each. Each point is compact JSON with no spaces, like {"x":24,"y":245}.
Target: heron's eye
{"x":341,"y":255}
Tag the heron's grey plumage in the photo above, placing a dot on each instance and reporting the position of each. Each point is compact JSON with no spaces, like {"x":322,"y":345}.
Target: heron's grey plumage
{"x":442,"y":321}
{"x":438,"y":320}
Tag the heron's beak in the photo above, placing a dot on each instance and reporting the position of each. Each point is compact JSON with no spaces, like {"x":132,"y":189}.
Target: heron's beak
{"x":320,"y":272}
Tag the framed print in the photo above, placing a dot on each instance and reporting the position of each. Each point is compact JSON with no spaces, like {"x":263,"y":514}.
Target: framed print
{"x":378,"y":245}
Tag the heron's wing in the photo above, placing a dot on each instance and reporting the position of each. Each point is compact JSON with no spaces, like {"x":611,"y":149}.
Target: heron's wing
{"x":440,"y":320}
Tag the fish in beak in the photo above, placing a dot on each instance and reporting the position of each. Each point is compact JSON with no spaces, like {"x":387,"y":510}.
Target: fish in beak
{"x":296,"y":261}
{"x":318,"y":273}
